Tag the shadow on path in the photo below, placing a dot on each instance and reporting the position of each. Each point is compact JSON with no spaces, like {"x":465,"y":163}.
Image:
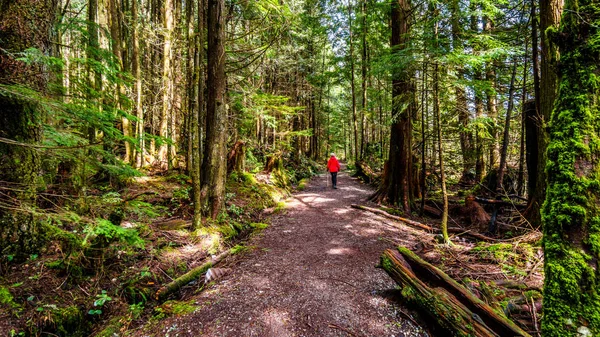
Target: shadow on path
{"x":312,"y":273}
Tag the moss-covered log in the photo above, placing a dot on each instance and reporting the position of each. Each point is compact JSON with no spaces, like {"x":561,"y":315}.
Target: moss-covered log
{"x":571,"y":211}
{"x":190,"y":276}
{"x":452,"y":306}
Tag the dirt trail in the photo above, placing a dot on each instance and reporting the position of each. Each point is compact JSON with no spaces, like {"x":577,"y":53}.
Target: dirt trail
{"x":312,"y":273}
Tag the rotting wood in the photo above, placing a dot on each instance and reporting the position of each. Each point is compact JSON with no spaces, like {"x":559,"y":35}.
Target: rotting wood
{"x":446,"y":314}
{"x":190,"y":276}
{"x":472,"y":317}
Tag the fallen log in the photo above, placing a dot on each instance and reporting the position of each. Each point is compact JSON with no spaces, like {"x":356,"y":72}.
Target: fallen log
{"x":388,"y":215}
{"x":453,"y":307}
{"x":190,"y":276}
{"x":455,"y":230}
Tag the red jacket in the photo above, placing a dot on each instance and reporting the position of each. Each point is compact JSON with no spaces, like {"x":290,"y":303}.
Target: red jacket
{"x":333,"y":165}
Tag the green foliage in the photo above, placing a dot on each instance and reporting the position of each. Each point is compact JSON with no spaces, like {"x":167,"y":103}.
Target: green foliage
{"x":101,"y":299}
{"x":7,"y":300}
{"x":103,"y":232}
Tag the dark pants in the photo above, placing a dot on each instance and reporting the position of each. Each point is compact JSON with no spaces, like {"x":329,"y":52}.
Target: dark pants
{"x":334,"y":178}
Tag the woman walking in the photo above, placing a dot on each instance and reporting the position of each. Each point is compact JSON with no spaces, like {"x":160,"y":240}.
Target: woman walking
{"x":333,"y":165}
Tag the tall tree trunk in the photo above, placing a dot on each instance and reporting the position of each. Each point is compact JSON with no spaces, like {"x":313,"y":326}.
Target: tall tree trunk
{"x":216,"y":114}
{"x":21,"y":120}
{"x":364,"y":77}
{"x":479,"y":158}
{"x":396,"y":187}
{"x":135,"y":68}
{"x":550,"y":16}
{"x":436,"y":102}
{"x":462,"y":110}
{"x":504,"y":153}
{"x":163,"y":152}
{"x":571,"y":211}
{"x":352,"y":84}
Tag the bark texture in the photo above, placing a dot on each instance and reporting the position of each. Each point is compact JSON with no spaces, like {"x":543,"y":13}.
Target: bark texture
{"x":571,"y":211}
{"x":397,"y":186}
{"x":215,"y":163}
{"x":21,"y":120}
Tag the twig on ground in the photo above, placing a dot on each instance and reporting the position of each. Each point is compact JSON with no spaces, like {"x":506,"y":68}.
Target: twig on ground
{"x":409,"y":318}
{"x":335,"y":326}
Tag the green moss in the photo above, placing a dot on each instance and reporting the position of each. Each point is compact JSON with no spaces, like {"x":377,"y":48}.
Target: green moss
{"x":280,"y":207}
{"x":571,"y":211}
{"x":7,"y":300}
{"x":175,"y":308}
{"x":302,"y":184}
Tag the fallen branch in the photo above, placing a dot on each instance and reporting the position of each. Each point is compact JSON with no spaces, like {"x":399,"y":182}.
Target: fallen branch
{"x":335,"y":326}
{"x":190,"y":276}
{"x":455,"y":230}
{"x":452,"y":306}
{"x":388,"y":215}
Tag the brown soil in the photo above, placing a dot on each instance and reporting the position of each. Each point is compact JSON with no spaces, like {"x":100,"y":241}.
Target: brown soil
{"x":311,"y":273}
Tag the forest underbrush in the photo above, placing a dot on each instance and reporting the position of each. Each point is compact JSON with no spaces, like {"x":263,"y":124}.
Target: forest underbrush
{"x":502,"y":265}
{"x":107,"y":255}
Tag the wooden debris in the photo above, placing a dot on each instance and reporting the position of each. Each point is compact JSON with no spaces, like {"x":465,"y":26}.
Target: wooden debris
{"x":388,"y":215}
{"x":449,"y":304}
{"x":190,"y":276}
{"x":455,"y":230}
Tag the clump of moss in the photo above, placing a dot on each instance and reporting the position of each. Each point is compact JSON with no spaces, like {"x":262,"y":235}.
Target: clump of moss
{"x":7,"y":300}
{"x":302,"y":184}
{"x":174,"y":308}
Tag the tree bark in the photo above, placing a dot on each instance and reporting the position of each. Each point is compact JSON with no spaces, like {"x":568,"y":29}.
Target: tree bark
{"x":163,"y":151}
{"x":571,"y":211}
{"x":214,"y":163}
{"x":21,"y":119}
{"x":550,"y":17}
{"x":352,"y":85}
{"x":396,"y":187}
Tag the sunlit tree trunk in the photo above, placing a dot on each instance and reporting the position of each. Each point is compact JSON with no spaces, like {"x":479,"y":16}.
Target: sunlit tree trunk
{"x":135,"y":68}
{"x":352,"y":84}
{"x":166,"y":83}
{"x":396,"y":187}
{"x":216,"y":112}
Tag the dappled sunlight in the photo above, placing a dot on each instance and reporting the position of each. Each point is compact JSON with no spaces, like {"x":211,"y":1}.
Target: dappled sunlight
{"x":277,"y":321}
{"x":182,"y":252}
{"x":341,"y":211}
{"x":341,"y":251}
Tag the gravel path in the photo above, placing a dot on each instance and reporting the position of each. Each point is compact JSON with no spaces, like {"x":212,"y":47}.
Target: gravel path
{"x":312,"y":273}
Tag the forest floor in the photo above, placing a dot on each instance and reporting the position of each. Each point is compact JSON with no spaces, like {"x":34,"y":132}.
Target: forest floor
{"x":311,"y":273}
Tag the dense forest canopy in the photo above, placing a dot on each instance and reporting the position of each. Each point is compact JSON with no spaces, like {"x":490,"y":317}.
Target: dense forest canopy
{"x":422,"y":98}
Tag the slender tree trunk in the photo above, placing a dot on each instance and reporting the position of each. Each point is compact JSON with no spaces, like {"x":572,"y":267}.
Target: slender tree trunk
{"x":504,"y":152}
{"x":436,"y":100}
{"x":135,"y":68}
{"x":462,"y":110}
{"x":479,"y":148}
{"x":216,"y":112}
{"x":163,"y":151}
{"x":364,"y":78}
{"x":352,"y":84}
{"x":571,"y":211}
